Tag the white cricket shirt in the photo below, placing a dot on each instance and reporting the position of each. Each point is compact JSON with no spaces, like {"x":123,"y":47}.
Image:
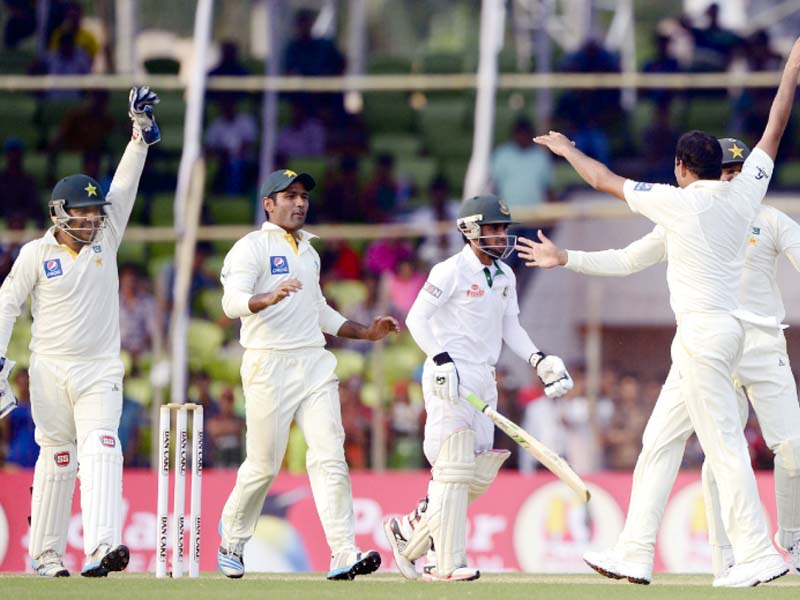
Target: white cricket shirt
{"x":75,"y":301}
{"x":468,"y":320}
{"x":706,"y":226}
{"x":257,"y":264}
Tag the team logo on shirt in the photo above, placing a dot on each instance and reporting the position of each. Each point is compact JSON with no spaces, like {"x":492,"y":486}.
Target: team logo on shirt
{"x":278,"y":265}
{"x":642,"y":186}
{"x":753,"y":239}
{"x":432,"y":289}
{"x":475,"y":291}
{"x":761,"y":173}
{"x":61,"y":458}
{"x":97,"y":249}
{"x":52,"y":268}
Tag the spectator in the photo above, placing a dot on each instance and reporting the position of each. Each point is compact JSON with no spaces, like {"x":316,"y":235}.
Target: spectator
{"x":357,"y":421}
{"x":20,"y":22}
{"x":542,"y":418}
{"x":200,"y":393}
{"x":71,"y":26}
{"x":19,"y":191}
{"x":138,"y":314}
{"x":67,"y":59}
{"x":131,"y":424}
{"x":304,"y":136}
{"x":661,"y":63}
{"x":17,"y":427}
{"x":581,"y":446}
{"x":344,"y":202}
{"x":313,"y":57}
{"x":231,"y":139}
{"x":200,"y":280}
{"x":436,"y":246}
{"x":714,"y":46}
{"x":622,"y":439}
{"x":406,"y":444}
{"x":346,"y":134}
{"x":226,"y":433}
{"x":380,"y":192}
{"x":340,"y":261}
{"x":660,"y":139}
{"x":402,"y":286}
{"x":229,"y":65}
{"x":384,"y":254}
{"x":521,"y":171}
{"x":92,"y":162}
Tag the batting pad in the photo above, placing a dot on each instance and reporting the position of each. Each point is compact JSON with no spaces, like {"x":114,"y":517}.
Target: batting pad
{"x":51,"y":502}
{"x":787,"y":491}
{"x":487,"y":464}
{"x":101,"y":489}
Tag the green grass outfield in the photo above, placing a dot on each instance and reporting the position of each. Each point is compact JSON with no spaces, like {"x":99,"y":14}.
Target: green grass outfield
{"x":494,"y":586}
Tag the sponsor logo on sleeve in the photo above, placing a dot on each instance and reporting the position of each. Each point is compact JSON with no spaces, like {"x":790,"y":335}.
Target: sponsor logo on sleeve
{"x":432,"y":289}
{"x":762,"y":173}
{"x":52,"y":268}
{"x":108,"y":441}
{"x":278,"y":265}
{"x":642,"y":186}
{"x":61,"y":458}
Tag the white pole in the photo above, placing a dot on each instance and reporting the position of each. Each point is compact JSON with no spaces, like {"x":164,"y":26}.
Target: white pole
{"x":356,"y":50}
{"x":269,"y":106}
{"x":179,"y":493}
{"x":197,"y":487}
{"x":192,"y":132}
{"x":162,"y":520}
{"x":492,"y":25}
{"x":126,"y":19}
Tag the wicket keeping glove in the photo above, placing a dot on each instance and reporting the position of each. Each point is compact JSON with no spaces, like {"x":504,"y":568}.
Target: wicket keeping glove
{"x":553,"y":373}
{"x":445,"y":378}
{"x":8,"y":401}
{"x":140,"y":109}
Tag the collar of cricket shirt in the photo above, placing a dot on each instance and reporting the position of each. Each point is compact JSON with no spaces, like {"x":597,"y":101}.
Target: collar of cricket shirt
{"x":302,"y":234}
{"x":475,"y":265}
{"x":707,"y":184}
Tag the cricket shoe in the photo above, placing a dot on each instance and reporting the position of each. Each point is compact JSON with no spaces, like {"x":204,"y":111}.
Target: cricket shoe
{"x":398,"y":541}
{"x":49,"y":565}
{"x":610,"y":564}
{"x":105,"y":560}
{"x":722,"y":560}
{"x":230,"y":562}
{"x":429,"y":573}
{"x":753,"y":572}
{"x":793,"y":550}
{"x":346,"y":565}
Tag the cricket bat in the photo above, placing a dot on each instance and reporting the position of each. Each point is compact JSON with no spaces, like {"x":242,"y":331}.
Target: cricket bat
{"x":555,"y":464}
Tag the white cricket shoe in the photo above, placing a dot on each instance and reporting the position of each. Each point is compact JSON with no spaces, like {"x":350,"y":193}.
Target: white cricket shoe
{"x":429,"y":573}
{"x":105,"y":560}
{"x":753,"y":572}
{"x":793,"y":550}
{"x":722,"y":560}
{"x":611,"y":564}
{"x":49,"y":564}
{"x":347,"y":565}
{"x":397,"y":541}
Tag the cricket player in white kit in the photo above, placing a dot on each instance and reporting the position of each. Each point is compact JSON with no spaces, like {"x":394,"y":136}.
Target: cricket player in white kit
{"x":465,"y":312}
{"x":271,"y":281}
{"x":706,"y":222}
{"x":763,"y":375}
{"x":75,"y":371}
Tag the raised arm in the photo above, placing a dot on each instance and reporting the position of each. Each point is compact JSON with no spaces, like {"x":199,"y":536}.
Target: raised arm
{"x":781,"y":108}
{"x":595,"y":173}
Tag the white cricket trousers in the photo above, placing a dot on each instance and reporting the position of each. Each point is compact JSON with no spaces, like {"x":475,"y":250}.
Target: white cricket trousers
{"x":445,"y":418}
{"x":281,"y":386}
{"x":698,"y":395}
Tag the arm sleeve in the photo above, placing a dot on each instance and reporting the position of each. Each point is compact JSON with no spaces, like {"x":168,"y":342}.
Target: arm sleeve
{"x":122,"y":193}
{"x":439,"y":285}
{"x":643,"y":253}
{"x":417,"y":323}
{"x":788,"y":236}
{"x":240,"y":272}
{"x":16,"y":288}
{"x":517,"y":338}
{"x":662,"y":204}
{"x":753,"y":181}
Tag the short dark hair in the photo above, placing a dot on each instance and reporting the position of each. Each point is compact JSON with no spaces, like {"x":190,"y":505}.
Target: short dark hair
{"x":700,"y":153}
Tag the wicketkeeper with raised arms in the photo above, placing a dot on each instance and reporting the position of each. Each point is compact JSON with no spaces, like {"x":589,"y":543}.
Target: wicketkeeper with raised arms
{"x":75,"y":371}
{"x":271,"y":281}
{"x":465,"y":312}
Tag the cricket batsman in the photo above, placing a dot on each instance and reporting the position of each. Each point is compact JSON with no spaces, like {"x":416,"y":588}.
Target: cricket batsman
{"x":75,"y":371}
{"x":462,"y":316}
{"x":763,"y":375}
{"x":271,"y":281}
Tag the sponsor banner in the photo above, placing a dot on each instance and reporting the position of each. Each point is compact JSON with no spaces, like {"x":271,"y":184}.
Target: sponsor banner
{"x":523,"y":523}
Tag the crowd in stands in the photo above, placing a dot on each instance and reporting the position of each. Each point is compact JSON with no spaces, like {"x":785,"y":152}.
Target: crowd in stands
{"x":358,"y":183}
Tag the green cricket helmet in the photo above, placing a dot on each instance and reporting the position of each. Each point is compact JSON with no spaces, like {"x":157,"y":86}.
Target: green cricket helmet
{"x":734,"y":152}
{"x":73,"y":192}
{"x":487,"y":209}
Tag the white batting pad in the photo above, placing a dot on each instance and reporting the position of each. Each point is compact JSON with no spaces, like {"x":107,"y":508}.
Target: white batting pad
{"x":51,"y":504}
{"x":101,"y":489}
{"x":487,"y":465}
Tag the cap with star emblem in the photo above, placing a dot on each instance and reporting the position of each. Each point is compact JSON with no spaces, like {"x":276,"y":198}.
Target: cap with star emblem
{"x":283,"y":178}
{"x":734,"y":152}
{"x":78,"y":191}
